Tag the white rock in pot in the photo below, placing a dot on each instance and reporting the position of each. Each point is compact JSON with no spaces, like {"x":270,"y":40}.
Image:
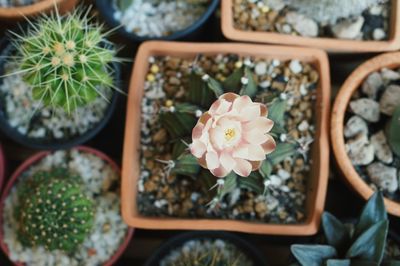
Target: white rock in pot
{"x":383,"y":176}
{"x":389,"y":74}
{"x":360,"y":150}
{"x":382,"y":148}
{"x":366,"y":108}
{"x":302,"y":24}
{"x":354,"y":126}
{"x":348,"y":29}
{"x":390,"y":99}
{"x":372,"y":84}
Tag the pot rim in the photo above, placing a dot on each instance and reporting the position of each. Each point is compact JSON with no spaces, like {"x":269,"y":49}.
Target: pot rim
{"x":352,"y":84}
{"x":34,"y":159}
{"x":107,"y":9}
{"x":316,"y":190}
{"x":333,"y":45}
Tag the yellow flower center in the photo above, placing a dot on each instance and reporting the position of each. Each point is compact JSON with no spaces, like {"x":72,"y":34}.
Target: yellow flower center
{"x":229,"y":134}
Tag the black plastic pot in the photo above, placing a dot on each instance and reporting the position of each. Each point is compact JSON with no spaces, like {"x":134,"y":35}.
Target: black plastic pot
{"x":176,"y":242}
{"x":54,"y":144}
{"x":107,"y":10}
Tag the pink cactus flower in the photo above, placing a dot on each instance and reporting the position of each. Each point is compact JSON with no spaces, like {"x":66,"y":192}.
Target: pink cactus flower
{"x":233,"y":136}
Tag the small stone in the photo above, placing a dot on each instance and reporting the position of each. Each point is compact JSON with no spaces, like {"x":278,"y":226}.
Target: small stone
{"x":348,"y":29}
{"x":174,"y":81}
{"x":295,"y":66}
{"x":261,"y":208}
{"x":360,"y":151}
{"x":150,"y":78}
{"x":275,"y":181}
{"x":284,"y":174}
{"x":276,"y":5}
{"x":354,"y":126}
{"x":303,"y":126}
{"x":383,"y":176}
{"x":388,"y":74}
{"x":303,"y":25}
{"x":366,"y":108}
{"x":372,"y":84}
{"x":260,"y":68}
{"x":160,"y":136}
{"x":382,"y":149}
{"x":378,"y":34}
{"x":390,"y":99}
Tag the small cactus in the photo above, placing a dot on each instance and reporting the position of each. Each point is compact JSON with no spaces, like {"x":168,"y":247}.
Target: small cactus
{"x":54,"y":212}
{"x":64,"y":59}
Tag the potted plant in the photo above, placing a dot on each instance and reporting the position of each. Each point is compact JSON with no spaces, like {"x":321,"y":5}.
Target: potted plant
{"x":346,"y":244}
{"x":373,"y":165}
{"x":164,"y":186}
{"x":19,"y":10}
{"x":336,"y":26}
{"x":206,"y":248}
{"x":63,"y":208}
{"x":58,"y":81}
{"x":156,"y":19}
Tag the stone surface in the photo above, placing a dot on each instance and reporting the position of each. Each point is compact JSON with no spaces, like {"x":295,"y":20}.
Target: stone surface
{"x":378,"y":34}
{"x":348,"y":29}
{"x":390,"y":99}
{"x":389,"y":74}
{"x":372,"y":84}
{"x":382,"y":149}
{"x":366,"y":108}
{"x":303,"y":25}
{"x":354,"y":126}
{"x":383,"y":176}
{"x":360,"y":150}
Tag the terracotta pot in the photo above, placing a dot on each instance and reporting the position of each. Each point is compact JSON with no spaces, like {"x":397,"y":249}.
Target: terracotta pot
{"x":22,"y":12}
{"x":329,"y":44}
{"x":131,"y":169}
{"x":353,"y":83}
{"x":34,"y":159}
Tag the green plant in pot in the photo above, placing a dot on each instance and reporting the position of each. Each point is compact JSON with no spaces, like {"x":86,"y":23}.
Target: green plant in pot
{"x":365,"y":245}
{"x":233,"y":143}
{"x":53,"y":211}
{"x":393,"y":131}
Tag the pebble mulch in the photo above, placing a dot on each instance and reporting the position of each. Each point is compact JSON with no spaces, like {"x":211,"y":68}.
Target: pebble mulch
{"x":109,"y":230}
{"x":161,"y":195}
{"x":159,"y":18}
{"x":13,"y":3}
{"x":366,"y":144}
{"x":279,"y":16}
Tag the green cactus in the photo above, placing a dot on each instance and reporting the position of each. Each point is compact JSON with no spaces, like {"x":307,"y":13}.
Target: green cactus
{"x":54,"y":212}
{"x":365,"y":245}
{"x":65,"y":59}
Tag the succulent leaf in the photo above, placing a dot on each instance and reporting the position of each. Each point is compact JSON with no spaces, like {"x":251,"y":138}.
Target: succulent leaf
{"x":363,"y":263}
{"x":179,"y":147}
{"x":276,"y":111}
{"x":230,"y":183}
{"x":338,"y":262}
{"x":233,"y":83}
{"x":254,"y":182}
{"x":199,"y":92}
{"x":282,"y":151}
{"x":186,"y":165}
{"x":265,"y":169}
{"x":393,"y":132}
{"x":249,"y":89}
{"x":313,"y":255}
{"x":215,"y":86}
{"x":391,"y":263}
{"x":336,"y":233}
{"x":180,"y":121}
{"x":370,"y":245}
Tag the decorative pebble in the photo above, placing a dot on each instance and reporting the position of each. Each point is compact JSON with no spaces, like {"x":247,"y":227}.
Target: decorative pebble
{"x":354,"y":126}
{"x":295,"y":66}
{"x":390,"y":99}
{"x":372,"y":84}
{"x":379,"y":34}
{"x":383,"y":176}
{"x":348,"y":29}
{"x":382,"y":149}
{"x":360,"y":150}
{"x":366,"y":108}
{"x":303,"y":25}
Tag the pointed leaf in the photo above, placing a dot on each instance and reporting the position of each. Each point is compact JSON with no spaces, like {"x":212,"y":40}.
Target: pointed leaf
{"x":199,"y":92}
{"x":179,"y":147}
{"x":186,"y":165}
{"x":181,"y":121}
{"x":229,"y":185}
{"x":254,"y":183}
{"x":371,"y":244}
{"x":373,"y":212}
{"x":215,"y":87}
{"x":391,"y":263}
{"x":265,"y":169}
{"x":336,"y":233}
{"x":313,"y":255}
{"x":276,"y":112}
{"x":338,"y":262}
{"x":250,"y":89}
{"x":282,"y":151}
{"x":363,"y":263}
{"x":233,"y":83}
{"x":393,"y":132}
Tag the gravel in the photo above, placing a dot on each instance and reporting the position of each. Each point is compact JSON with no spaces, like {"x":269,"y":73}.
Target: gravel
{"x":13,"y":3}
{"x":109,"y":230}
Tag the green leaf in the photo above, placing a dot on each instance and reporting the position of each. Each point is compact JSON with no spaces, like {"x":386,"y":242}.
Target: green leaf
{"x":335,"y":231}
{"x":180,"y":122}
{"x":363,"y":263}
{"x":276,"y":112}
{"x":233,"y":83}
{"x":199,"y":92}
{"x":391,"y":263}
{"x":371,"y":244}
{"x":254,"y":183}
{"x":186,"y":165}
{"x":277,"y":130}
{"x":250,"y":89}
{"x":373,"y":212}
{"x":282,"y":151}
{"x":124,"y":4}
{"x":229,"y":185}
{"x":313,"y":255}
{"x":265,"y":169}
{"x":393,"y":132}
{"x":338,"y":262}
{"x":179,"y":147}
{"x":215,"y":87}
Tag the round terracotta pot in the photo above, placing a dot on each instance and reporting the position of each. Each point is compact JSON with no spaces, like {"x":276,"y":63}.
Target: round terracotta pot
{"x":353,"y":83}
{"x":22,"y":12}
{"x":34,"y":159}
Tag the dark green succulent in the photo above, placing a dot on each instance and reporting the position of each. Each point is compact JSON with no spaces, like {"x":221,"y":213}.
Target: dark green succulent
{"x":179,"y":119}
{"x":365,"y":245}
{"x":53,"y":211}
{"x":393,"y":131}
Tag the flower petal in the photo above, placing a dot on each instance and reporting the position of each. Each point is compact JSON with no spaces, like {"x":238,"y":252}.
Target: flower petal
{"x":220,"y":171}
{"x":255,"y":165}
{"x":242,"y":167}
{"x":197,"y":131}
{"x":262,"y":124}
{"x":219,"y":107}
{"x":250,"y":112}
{"x":255,"y":137}
{"x":230,"y":96}
{"x":212,"y":160}
{"x":249,"y":152}
{"x":263,"y":110}
{"x":198,"y":148}
{"x":269,"y":145}
{"x":227,"y":161}
{"x":242,"y":102}
{"x":204,"y":118}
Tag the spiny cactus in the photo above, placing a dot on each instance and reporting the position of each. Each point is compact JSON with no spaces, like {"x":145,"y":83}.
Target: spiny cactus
{"x":54,"y":212}
{"x":365,"y":245}
{"x":393,"y":131}
{"x":179,"y":120}
{"x":64,"y":59}
{"x":330,"y":10}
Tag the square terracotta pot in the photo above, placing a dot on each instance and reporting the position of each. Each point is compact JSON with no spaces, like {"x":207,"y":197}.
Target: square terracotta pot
{"x":328,"y":44}
{"x":317,"y":184}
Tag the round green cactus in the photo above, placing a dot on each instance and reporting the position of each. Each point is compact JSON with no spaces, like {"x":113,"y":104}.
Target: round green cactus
{"x":54,"y":213}
{"x":64,"y":59}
